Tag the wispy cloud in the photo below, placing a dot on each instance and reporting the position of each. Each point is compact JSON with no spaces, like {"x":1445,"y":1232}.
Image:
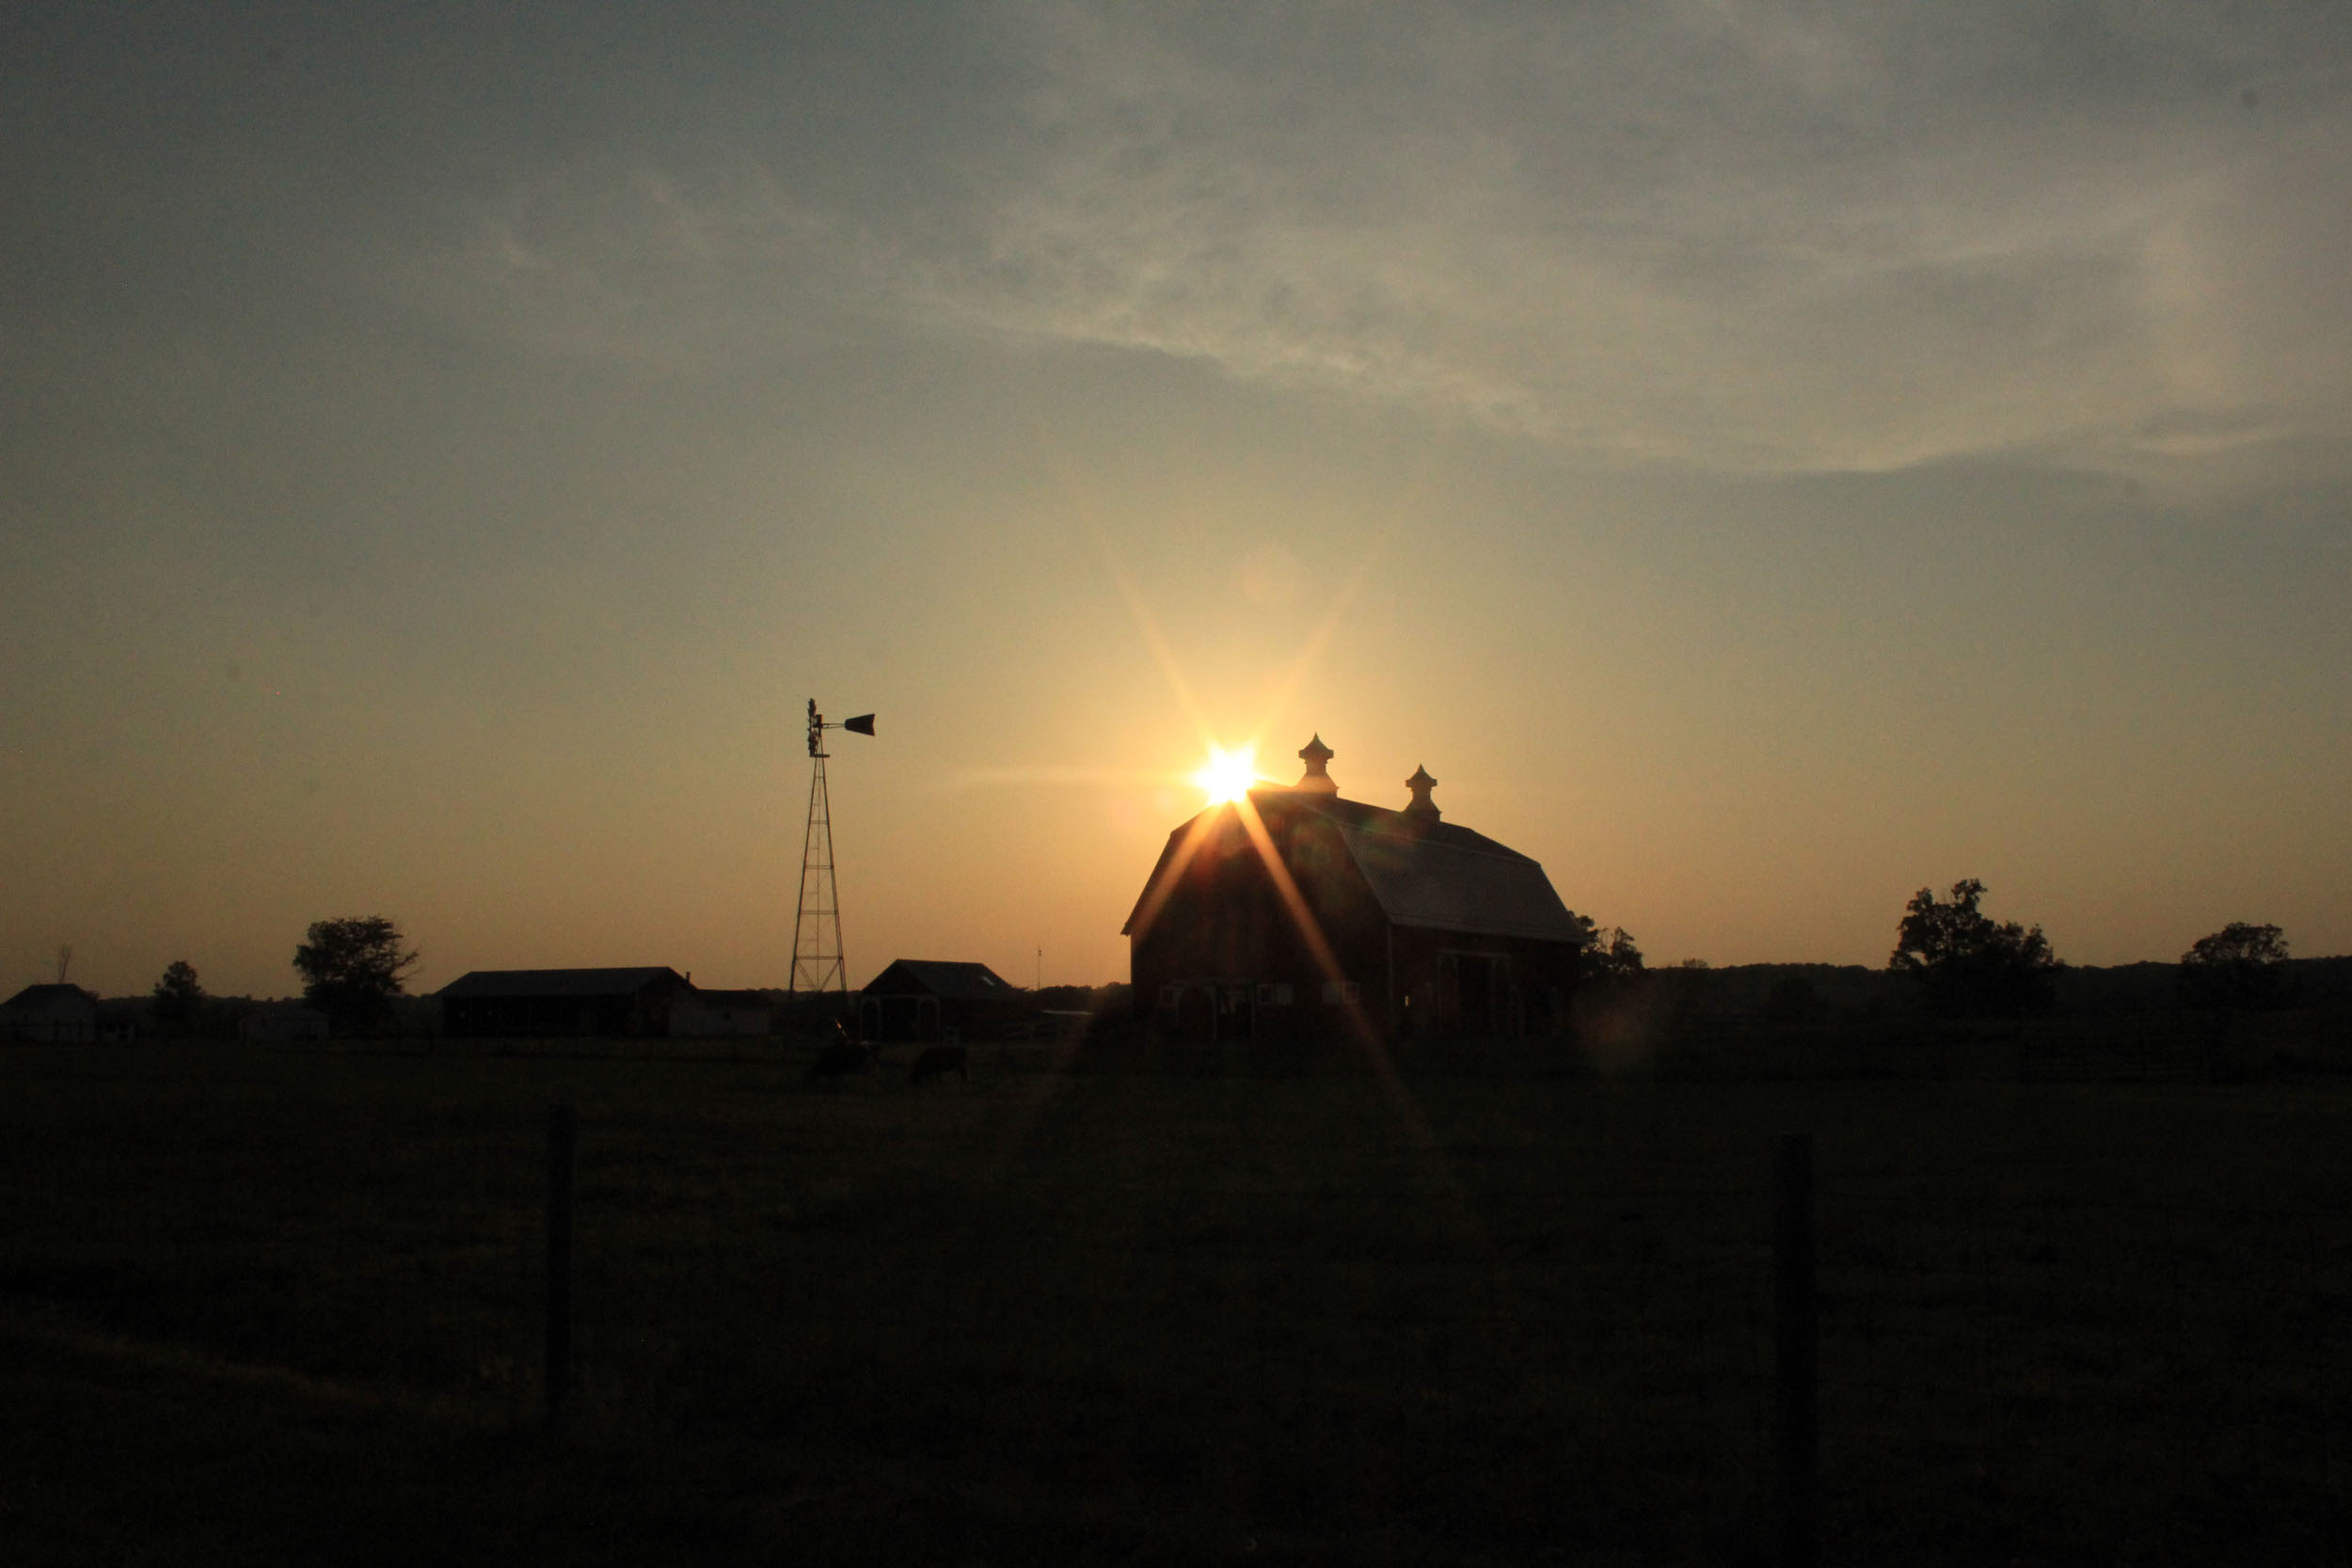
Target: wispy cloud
{"x":1750,"y":236}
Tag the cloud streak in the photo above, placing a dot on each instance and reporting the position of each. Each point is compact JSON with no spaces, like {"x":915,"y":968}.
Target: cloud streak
{"x":1751,"y":237}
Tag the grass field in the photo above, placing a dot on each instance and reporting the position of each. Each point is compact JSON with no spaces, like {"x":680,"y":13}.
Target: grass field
{"x":267,"y":1303}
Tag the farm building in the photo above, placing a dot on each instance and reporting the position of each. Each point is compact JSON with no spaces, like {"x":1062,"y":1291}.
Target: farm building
{"x":59,"y":1012}
{"x":704,"y":1014}
{"x":1295,"y":912}
{"x":506,"y":1002}
{"x":922,"y":999}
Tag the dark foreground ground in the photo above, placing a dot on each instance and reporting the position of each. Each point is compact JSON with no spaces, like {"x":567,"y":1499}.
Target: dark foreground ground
{"x":272,"y":1305}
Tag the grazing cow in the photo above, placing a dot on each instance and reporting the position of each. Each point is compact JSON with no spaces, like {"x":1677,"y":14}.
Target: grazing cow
{"x":840,"y":1058}
{"x":938,"y":1061}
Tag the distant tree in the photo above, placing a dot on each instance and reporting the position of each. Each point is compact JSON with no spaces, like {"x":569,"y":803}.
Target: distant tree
{"x":179,"y":997}
{"x":1969,"y":964}
{"x":352,"y":968}
{"x":1613,"y":959}
{"x":2240,"y":968}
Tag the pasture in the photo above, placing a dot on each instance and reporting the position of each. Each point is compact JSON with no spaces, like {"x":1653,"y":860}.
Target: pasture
{"x":261,"y":1304}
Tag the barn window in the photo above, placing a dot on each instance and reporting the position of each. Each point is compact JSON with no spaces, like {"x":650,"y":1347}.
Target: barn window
{"x":1273,"y":994}
{"x":1337,"y":991}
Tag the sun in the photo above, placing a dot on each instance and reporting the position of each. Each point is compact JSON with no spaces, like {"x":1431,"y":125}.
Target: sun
{"x":1228,"y":775}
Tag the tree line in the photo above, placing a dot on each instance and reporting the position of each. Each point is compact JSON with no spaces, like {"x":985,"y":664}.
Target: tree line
{"x":354,"y":968}
{"x":1967,"y":964}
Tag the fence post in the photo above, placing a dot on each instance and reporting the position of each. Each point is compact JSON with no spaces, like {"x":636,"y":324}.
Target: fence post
{"x":563,"y":1134}
{"x":1796,"y":1434}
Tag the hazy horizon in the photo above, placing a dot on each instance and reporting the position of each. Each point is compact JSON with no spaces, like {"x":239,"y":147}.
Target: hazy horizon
{"x":1762,"y":459}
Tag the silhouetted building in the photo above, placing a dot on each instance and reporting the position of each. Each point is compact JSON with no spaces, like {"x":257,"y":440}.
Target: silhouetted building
{"x":704,"y":1014}
{"x":59,"y":1012}
{"x":921,"y":999}
{"x":508,"y":1002}
{"x":1302,"y":914}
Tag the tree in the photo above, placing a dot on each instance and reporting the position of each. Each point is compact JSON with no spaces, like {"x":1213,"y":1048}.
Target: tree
{"x":352,"y":968}
{"x":1614,"y":962}
{"x":179,"y":998}
{"x":1969,"y":964}
{"x":2240,"y":968}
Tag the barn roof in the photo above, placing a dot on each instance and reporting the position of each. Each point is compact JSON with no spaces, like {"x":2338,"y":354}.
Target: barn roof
{"x":560,"y":982}
{"x":949,"y":981}
{"x":1454,"y":879}
{"x":1425,"y":873}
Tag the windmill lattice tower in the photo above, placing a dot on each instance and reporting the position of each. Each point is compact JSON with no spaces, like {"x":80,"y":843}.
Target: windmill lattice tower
{"x":817,"y":965}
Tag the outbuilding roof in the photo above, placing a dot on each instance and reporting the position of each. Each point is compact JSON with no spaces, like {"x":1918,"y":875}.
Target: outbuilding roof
{"x":51,"y":996}
{"x":949,"y":981}
{"x":560,"y":982}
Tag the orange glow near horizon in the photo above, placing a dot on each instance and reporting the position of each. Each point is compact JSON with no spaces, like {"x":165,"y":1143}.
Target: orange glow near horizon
{"x":1228,"y":775}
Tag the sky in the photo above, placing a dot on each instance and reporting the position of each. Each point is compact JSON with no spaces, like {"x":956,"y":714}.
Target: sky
{"x":1762,"y":458}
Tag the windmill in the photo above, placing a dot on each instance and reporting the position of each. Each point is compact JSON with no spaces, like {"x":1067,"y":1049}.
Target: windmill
{"x":817,"y":961}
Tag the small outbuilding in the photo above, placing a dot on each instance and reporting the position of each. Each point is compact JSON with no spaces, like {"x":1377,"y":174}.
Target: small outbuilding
{"x":557,"y":1002}
{"x":923,"y":999}
{"x":50,"y":1013}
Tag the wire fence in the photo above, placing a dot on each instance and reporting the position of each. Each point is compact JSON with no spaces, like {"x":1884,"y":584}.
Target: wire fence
{"x":1519,"y":1332}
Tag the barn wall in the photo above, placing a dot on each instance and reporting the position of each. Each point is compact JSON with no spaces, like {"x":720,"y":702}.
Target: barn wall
{"x":1225,"y":957}
{"x":1527,"y":984}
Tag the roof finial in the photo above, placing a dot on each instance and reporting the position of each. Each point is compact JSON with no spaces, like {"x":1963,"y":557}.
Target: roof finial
{"x":1420,"y":783}
{"x":1315,"y":754}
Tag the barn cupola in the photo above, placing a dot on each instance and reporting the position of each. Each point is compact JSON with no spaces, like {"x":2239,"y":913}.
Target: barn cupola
{"x":1420,"y":783}
{"x":1316,"y":756}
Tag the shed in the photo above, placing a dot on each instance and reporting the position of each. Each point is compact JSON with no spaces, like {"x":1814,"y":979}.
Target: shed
{"x":542,"y":1002}
{"x":59,"y":1012}
{"x":922,"y":999}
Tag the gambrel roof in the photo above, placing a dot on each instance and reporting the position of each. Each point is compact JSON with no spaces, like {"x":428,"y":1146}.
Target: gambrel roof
{"x":1423,"y":872}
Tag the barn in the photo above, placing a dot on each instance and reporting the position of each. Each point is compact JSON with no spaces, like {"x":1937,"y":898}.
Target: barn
{"x":923,"y":999}
{"x":1295,"y":913}
{"x":489,"y":1002}
{"x":59,"y":1012}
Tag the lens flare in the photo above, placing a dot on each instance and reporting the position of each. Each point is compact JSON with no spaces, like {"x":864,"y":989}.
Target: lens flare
{"x":1228,"y":775}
